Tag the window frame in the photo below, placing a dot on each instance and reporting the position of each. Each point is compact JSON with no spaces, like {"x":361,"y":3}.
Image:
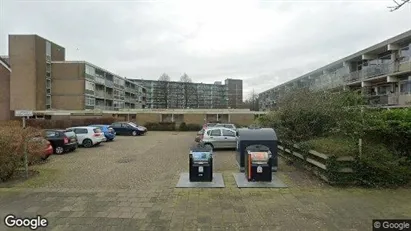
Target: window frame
{"x":78,"y":129}
{"x":219,"y":130}
{"x":229,"y":131}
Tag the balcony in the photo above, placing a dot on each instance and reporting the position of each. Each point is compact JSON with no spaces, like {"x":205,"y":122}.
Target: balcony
{"x":370,"y":72}
{"x":383,"y":100}
{"x":99,"y":80}
{"x":90,"y":77}
{"x":108,"y":96}
{"x":100,"y":107}
{"x":100,"y":94}
{"x":109,"y":83}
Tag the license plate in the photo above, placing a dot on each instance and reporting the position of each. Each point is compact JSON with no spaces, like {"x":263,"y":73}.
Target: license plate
{"x":259,"y":169}
{"x":200,"y":169}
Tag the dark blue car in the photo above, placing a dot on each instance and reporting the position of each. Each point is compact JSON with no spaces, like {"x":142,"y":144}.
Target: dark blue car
{"x":108,"y":131}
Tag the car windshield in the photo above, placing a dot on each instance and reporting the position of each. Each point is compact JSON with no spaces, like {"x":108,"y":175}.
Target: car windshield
{"x":133,"y":124}
{"x":97,"y":130}
{"x":69,"y":133}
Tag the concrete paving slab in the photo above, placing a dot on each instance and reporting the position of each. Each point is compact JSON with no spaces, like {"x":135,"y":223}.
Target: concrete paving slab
{"x":184,"y":182}
{"x":242,"y":182}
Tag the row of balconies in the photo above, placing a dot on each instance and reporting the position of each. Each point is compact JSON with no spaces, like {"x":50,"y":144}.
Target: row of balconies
{"x":105,"y":82}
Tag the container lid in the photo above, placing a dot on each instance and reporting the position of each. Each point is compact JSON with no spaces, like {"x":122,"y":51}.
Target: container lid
{"x":201,"y":156}
{"x":259,"y":156}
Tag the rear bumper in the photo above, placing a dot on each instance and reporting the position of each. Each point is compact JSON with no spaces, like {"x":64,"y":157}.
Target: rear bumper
{"x":49,"y":151}
{"x":110,"y":136}
{"x":70,"y":146}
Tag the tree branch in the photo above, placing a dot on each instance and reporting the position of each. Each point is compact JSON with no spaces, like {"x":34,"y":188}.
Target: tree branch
{"x":398,"y":5}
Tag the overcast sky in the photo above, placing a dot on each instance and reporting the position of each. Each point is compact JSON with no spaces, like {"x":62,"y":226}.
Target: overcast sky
{"x":265,"y":43}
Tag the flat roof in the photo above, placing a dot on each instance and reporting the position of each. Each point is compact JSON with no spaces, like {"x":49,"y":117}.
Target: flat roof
{"x":403,"y":37}
{"x":36,"y":35}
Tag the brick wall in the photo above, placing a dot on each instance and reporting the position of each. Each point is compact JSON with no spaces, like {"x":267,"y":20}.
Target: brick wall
{"x":242,"y":119}
{"x":144,"y":118}
{"x":194,"y":119}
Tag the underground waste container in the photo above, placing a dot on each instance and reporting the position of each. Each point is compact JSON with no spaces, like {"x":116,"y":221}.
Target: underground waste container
{"x":258,"y":163}
{"x":256,"y":136}
{"x":201,"y":164}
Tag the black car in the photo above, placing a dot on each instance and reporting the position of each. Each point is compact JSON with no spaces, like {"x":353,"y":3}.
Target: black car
{"x":128,"y":128}
{"x":61,"y":140}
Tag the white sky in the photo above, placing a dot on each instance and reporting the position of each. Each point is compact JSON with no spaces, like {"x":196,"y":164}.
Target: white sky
{"x":265,"y":43}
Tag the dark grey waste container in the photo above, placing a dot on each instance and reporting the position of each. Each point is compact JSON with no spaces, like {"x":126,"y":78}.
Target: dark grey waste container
{"x":258,"y":163}
{"x":256,"y":136}
{"x":201,"y":164}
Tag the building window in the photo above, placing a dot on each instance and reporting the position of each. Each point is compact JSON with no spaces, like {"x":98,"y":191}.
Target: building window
{"x":48,"y":83}
{"x":90,"y":101}
{"x":48,"y":67}
{"x":48,"y":50}
{"x":90,"y":86}
{"x":405,"y":87}
{"x":48,"y":100}
{"x":90,"y":70}
{"x":405,"y":54}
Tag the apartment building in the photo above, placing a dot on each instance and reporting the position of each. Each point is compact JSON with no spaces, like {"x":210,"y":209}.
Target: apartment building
{"x":234,"y":92}
{"x":381,"y":72}
{"x":41,"y":79}
{"x":4,"y":89}
{"x":174,"y":94}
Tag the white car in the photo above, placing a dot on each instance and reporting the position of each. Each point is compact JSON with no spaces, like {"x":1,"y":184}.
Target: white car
{"x":88,"y":136}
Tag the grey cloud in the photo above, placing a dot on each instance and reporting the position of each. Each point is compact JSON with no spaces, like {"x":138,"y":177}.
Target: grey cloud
{"x":144,"y":40}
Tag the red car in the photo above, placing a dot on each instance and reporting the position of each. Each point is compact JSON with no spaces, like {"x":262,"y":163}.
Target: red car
{"x":48,"y":149}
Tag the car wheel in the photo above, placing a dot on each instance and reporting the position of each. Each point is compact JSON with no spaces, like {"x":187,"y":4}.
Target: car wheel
{"x":134,"y":133}
{"x":87,"y":143}
{"x":58,"y":150}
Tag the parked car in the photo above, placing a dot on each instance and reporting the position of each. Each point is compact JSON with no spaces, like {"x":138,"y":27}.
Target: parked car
{"x":128,"y":128}
{"x":108,"y":131}
{"x":231,"y":126}
{"x":61,"y":140}
{"x":207,"y":125}
{"x":219,"y":137}
{"x":88,"y":136}
{"x":48,"y":148}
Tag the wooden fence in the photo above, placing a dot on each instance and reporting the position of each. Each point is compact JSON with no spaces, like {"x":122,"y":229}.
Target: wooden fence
{"x":333,"y":170}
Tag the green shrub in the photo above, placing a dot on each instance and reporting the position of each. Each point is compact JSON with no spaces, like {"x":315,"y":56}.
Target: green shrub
{"x":194,"y":127}
{"x":163,"y":126}
{"x":62,"y":124}
{"x":183,"y":127}
{"x":333,"y":146}
{"x":380,"y":167}
{"x":12,"y":149}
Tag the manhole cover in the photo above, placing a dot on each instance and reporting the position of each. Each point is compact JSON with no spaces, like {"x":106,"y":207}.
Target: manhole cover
{"x":125,"y":160}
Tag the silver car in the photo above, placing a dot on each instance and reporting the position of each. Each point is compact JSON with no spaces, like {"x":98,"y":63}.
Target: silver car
{"x":231,"y":126}
{"x":219,"y":137}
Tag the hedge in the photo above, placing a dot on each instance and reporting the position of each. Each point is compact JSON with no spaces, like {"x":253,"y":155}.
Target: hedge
{"x":171,"y":126}
{"x":334,"y":122}
{"x":62,"y":124}
{"x":12,"y":141}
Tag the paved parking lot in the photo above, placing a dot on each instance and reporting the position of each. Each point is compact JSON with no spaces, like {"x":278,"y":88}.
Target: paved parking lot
{"x":129,"y":184}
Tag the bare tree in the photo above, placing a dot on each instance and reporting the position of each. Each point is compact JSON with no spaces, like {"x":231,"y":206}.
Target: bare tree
{"x":161,"y":92}
{"x":398,"y":4}
{"x":189,"y":91}
{"x":252,"y":101}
